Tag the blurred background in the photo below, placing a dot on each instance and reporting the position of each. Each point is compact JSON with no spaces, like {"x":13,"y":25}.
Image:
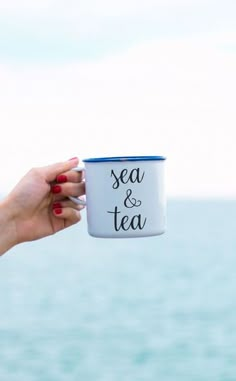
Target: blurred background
{"x":101,"y":78}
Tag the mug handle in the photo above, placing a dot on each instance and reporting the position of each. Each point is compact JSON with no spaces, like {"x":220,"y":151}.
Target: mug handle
{"x":77,"y":200}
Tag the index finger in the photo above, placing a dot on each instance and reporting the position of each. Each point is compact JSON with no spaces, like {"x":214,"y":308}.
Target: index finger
{"x":53,"y":170}
{"x":70,"y":176}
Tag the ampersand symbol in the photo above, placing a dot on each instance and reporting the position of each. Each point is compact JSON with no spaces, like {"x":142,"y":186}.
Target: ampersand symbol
{"x":131,"y":202}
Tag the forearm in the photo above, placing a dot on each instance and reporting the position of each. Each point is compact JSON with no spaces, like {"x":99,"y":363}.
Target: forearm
{"x":7,"y":227}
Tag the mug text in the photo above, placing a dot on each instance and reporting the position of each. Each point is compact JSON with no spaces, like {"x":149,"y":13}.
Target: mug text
{"x":124,"y":177}
{"x":127,"y":222}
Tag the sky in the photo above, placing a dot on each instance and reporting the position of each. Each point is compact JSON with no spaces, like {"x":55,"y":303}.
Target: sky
{"x":102,"y":78}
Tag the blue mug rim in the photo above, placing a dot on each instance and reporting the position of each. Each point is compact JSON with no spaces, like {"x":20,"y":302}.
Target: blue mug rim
{"x":122,"y":159}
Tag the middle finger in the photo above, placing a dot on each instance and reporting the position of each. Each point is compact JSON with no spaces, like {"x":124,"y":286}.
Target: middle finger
{"x":68,"y":189}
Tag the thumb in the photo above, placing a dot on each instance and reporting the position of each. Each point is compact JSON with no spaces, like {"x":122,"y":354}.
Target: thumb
{"x":53,"y":170}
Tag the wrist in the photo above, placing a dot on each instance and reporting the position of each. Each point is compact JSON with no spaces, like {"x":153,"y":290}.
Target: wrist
{"x":8,"y":233}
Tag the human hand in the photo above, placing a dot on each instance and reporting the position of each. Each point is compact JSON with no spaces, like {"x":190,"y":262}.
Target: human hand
{"x":38,"y":206}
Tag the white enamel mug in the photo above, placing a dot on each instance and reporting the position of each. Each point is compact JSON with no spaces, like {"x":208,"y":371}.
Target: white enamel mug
{"x":125,"y":196}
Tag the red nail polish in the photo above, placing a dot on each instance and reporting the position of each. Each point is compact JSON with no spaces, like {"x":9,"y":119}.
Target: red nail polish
{"x":58,"y":211}
{"x":56,"y":205}
{"x":56,"y":189}
{"x":62,"y":179}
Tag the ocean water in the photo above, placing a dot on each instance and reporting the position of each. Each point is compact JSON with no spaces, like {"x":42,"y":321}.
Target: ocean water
{"x":163,"y":308}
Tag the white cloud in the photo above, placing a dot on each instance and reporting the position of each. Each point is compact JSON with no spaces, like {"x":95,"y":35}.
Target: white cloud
{"x":98,"y":6}
{"x":105,"y":18}
{"x":16,"y":5}
{"x":165,"y":97}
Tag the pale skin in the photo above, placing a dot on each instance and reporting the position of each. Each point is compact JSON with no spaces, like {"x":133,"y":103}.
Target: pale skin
{"x":38,"y":206}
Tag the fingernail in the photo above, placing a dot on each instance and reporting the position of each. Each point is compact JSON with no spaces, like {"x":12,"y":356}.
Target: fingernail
{"x":62,"y":179}
{"x":56,"y":205}
{"x":73,"y":158}
{"x":58,"y":211}
{"x":56,"y":189}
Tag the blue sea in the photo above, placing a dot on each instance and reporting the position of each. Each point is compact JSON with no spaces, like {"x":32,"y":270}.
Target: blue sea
{"x":77,"y":308}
